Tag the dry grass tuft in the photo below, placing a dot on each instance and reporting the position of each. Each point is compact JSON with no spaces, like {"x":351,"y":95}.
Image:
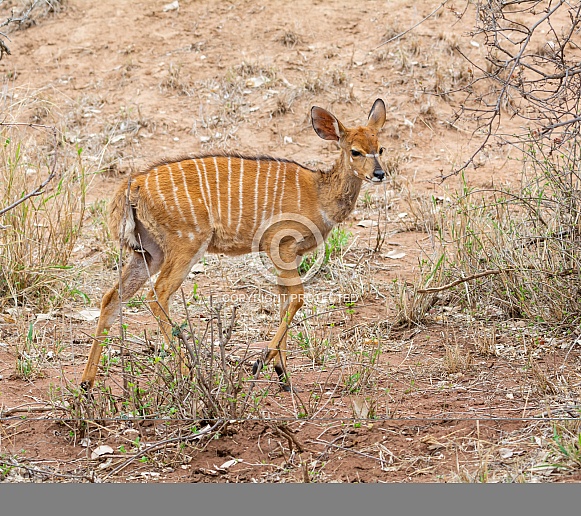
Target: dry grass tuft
{"x":290,"y":39}
{"x":527,"y":236}
{"x":175,"y":81}
{"x":456,"y":358}
{"x":41,"y":233}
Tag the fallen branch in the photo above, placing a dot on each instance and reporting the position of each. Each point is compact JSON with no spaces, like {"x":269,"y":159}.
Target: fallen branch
{"x":343,"y":448}
{"x":28,"y":407}
{"x":14,"y":463}
{"x":458,"y":281}
{"x":490,"y":272}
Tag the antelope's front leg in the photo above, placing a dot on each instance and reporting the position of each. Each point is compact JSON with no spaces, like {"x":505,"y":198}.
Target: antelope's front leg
{"x":291,"y":300}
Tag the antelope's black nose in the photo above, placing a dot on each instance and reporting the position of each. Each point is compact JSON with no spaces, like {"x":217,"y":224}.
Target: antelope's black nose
{"x":378,"y":175}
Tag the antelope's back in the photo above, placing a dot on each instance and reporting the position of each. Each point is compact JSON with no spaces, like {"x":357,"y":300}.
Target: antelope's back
{"x":225,"y":199}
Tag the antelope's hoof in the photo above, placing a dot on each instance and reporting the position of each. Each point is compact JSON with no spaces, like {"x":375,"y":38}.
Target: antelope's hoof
{"x":86,"y":393}
{"x":85,"y":386}
{"x":283,"y":378}
{"x":256,"y":367}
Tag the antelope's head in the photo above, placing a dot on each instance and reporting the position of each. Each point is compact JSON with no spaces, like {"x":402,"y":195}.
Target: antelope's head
{"x":360,"y":147}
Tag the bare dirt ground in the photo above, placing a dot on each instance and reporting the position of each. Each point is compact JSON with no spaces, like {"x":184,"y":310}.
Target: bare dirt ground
{"x":455,"y":399}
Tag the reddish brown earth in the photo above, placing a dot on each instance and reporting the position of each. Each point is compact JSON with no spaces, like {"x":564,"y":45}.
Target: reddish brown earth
{"x":131,"y":83}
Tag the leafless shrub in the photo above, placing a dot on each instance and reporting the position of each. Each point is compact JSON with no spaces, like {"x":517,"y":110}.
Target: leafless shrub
{"x":174,"y":81}
{"x":527,"y":239}
{"x":456,"y":358}
{"x":530,"y":72}
{"x":484,"y":340}
{"x":144,"y":380}
{"x":412,"y":307}
{"x":285,"y":101}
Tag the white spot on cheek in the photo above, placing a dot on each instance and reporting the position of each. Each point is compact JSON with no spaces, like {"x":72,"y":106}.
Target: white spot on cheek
{"x":355,"y":172}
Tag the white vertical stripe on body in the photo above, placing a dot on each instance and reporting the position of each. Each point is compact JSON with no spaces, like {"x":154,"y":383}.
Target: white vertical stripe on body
{"x":174,"y":189}
{"x":202,"y":190}
{"x":219,"y":214}
{"x":229,"y":191}
{"x":240,"y":185}
{"x":266,"y":192}
{"x":283,"y":183}
{"x":209,"y":192}
{"x":187,"y":192}
{"x":273,"y":203}
{"x":158,"y":189}
{"x":298,"y":184}
{"x":255,"y":222}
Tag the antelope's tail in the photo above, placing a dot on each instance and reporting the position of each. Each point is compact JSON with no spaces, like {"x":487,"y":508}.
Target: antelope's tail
{"x":122,"y":216}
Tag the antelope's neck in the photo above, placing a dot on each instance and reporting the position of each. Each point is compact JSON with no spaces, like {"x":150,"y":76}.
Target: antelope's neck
{"x":338,"y":191}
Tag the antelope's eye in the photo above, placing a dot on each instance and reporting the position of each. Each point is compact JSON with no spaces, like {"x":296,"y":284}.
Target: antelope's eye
{"x":381,"y":149}
{"x":355,"y":153}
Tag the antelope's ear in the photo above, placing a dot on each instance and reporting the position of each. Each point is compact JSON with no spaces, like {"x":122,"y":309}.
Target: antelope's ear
{"x":377,"y":115}
{"x":326,"y":125}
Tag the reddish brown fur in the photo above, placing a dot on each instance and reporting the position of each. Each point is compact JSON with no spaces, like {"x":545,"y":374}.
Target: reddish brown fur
{"x":181,"y":209}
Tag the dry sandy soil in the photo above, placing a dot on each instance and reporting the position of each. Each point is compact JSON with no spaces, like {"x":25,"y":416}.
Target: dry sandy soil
{"x":133,"y":82}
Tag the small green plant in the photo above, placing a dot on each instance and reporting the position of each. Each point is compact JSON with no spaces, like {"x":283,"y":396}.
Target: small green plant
{"x":136,"y":302}
{"x":352,"y":382}
{"x":303,"y":340}
{"x":350,"y":310}
{"x":566,"y":447}
{"x":314,"y":349}
{"x":27,"y":359}
{"x":367,"y":200}
{"x":5,"y":468}
{"x":334,"y":246}
{"x":411,"y":388}
{"x":195,"y":295}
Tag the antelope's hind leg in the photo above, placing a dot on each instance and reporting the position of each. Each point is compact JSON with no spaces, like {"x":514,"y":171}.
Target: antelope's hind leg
{"x":175,"y":269}
{"x":133,"y":277}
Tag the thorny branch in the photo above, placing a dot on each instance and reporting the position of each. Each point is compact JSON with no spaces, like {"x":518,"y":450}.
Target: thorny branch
{"x":531,"y":72}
